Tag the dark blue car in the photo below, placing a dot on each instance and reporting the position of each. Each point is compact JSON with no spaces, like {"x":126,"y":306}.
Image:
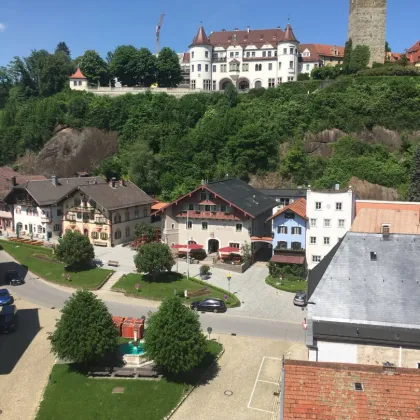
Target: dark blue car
{"x":5,"y":297}
{"x":8,"y":318}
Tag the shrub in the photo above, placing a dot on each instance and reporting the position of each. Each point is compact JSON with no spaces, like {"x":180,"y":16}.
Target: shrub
{"x":154,"y":258}
{"x":75,"y":250}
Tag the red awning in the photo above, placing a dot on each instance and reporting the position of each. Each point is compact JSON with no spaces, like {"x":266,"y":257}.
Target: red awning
{"x":178,"y":246}
{"x":189,"y":247}
{"x":288,"y":259}
{"x":229,"y":250}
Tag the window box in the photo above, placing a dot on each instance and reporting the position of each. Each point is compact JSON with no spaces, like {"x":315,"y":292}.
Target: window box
{"x":197,"y":211}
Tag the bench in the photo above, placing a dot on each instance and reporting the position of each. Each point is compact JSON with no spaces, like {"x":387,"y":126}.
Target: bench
{"x":100,"y":243}
{"x":100,"y":371}
{"x":147,"y":373}
{"x":124,"y":373}
{"x":113,"y":263}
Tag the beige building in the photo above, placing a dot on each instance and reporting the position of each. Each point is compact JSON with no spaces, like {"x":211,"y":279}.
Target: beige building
{"x":106,"y":212}
{"x":227,"y":213}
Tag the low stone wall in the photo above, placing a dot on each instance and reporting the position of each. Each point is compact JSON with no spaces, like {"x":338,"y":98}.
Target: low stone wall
{"x":233,"y":267}
{"x":117,"y":91}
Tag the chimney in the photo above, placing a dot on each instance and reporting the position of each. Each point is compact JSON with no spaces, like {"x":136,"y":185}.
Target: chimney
{"x":13,"y":182}
{"x":386,"y":230}
{"x":389,"y":368}
{"x":54,"y":180}
{"x":113,"y":183}
{"x":337,"y":187}
{"x":248,"y":29}
{"x":122,"y":182}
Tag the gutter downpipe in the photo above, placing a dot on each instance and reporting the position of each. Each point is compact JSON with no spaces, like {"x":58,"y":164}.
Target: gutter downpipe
{"x":282,"y":392}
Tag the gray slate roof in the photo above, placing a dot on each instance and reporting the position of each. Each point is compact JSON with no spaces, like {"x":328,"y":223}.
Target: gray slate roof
{"x":44,"y":192}
{"x":284,"y":192}
{"x":242,"y":195}
{"x":383,"y":292}
{"x":119,"y":197}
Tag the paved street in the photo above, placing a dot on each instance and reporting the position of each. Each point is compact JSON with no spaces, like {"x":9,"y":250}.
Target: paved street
{"x":258,"y":299}
{"x":49,"y":295}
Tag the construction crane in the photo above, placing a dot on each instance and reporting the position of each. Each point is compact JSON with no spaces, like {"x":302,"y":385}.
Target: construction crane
{"x":159,"y":25}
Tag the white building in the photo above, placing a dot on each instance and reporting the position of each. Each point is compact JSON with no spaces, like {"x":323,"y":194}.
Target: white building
{"x":319,"y":55}
{"x":78,"y":81}
{"x":248,"y":59}
{"x":330,"y":215}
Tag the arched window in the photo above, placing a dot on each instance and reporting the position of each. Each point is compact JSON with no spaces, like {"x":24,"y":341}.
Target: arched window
{"x":117,"y":234}
{"x":256,"y":67}
{"x":258,"y":84}
{"x":117,"y":218}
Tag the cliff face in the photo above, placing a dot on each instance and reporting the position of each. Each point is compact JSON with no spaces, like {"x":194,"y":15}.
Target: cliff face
{"x":70,"y":151}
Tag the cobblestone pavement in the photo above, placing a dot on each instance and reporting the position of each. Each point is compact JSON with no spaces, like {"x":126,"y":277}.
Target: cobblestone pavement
{"x":258,"y":299}
{"x":242,"y":388}
{"x":25,"y":361}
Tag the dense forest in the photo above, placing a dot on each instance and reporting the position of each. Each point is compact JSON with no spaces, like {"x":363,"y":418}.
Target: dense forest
{"x":167,"y":145}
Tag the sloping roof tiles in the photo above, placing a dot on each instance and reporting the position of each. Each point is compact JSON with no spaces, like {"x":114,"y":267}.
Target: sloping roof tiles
{"x":78,"y":75}
{"x":201,"y":37}
{"x":289,"y":35}
{"x":326,"y":391}
{"x":257,"y":37}
{"x":6,"y":175}
{"x":399,"y":221}
{"x":298,"y":207}
{"x":318,"y":51}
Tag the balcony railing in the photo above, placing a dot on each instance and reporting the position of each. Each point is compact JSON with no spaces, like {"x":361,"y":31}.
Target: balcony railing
{"x":286,"y":250}
{"x":28,"y":203}
{"x":197,"y":214}
{"x":219,"y":59}
{"x":45,"y":218}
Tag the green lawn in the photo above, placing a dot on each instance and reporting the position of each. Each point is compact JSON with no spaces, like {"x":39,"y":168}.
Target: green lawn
{"x":48,"y":269}
{"x":70,"y":395}
{"x":164,"y":286}
{"x":287,"y":285}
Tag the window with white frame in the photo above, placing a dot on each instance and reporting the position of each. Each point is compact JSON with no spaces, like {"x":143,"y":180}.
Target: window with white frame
{"x":290,"y":79}
{"x":75,"y":83}
{"x":253,"y":54}
{"x":281,"y":229}
{"x":280,"y":80}
{"x":188,"y":225}
{"x":296,"y":230}
{"x":339,"y":206}
{"x":206,"y":54}
{"x":269,"y":53}
{"x":284,"y":50}
{"x":292,"y":50}
{"x":307,"y":67}
{"x":214,"y":85}
{"x":248,"y":53}
{"x":223,"y":68}
{"x":192,"y":84}
{"x":231,"y":54}
{"x":204,"y":225}
{"x":327,"y":223}
{"x":271,"y":82}
{"x":341,"y":223}
{"x":313,"y":222}
{"x":236,"y":53}
{"x":282,"y":244}
{"x":238,"y":227}
{"x":312,"y":240}
{"x":245,"y":66}
{"x":206,"y":67}
{"x":326,"y":240}
{"x":270,"y":66}
{"x":296,"y":246}
{"x":214,"y":68}
{"x":192,"y":54}
{"x":207,"y":84}
{"x":234,"y":245}
{"x":258,"y":67}
{"x":192,"y":68}
{"x":316,"y":258}
{"x":198,"y":67}
{"x":318,"y":205}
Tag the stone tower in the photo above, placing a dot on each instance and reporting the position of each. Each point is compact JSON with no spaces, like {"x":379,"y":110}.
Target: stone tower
{"x":367,"y":26}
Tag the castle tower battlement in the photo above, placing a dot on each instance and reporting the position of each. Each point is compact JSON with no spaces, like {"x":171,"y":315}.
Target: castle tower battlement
{"x":367,"y":26}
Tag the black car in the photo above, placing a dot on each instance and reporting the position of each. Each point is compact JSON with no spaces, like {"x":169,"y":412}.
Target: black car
{"x":209,"y":305}
{"x":8,"y":318}
{"x":13,"y":278}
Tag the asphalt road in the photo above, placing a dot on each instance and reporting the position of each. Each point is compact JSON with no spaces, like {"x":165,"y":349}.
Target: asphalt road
{"x":43,"y":294}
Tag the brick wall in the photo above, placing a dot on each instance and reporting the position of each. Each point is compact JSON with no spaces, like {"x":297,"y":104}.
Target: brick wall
{"x":367,"y":26}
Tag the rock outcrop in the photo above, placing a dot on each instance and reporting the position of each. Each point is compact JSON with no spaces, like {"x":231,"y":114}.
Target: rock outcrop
{"x":70,"y":151}
{"x":367,"y":191}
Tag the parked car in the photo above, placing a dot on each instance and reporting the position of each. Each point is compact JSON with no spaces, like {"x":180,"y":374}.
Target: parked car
{"x":8,"y":318}
{"x":300,"y":299}
{"x":13,"y":278}
{"x":6,"y":298}
{"x":209,"y":305}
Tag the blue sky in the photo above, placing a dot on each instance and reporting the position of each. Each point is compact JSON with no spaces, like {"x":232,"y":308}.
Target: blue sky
{"x":103,"y":25}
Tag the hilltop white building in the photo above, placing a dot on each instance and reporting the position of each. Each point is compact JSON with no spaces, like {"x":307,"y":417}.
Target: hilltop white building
{"x":330,"y":215}
{"x":248,"y":59}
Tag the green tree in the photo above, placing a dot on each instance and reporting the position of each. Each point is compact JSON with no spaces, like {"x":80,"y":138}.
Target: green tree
{"x":168,"y":68}
{"x":403,"y":61}
{"x":110,"y":168}
{"x":153,"y":258}
{"x":359,"y":58}
{"x":75,"y":250}
{"x":173,"y":338}
{"x":231,"y":94}
{"x":124,"y":65}
{"x":85,"y":332}
{"x":303,"y":76}
{"x":147,"y":67}
{"x":94,"y":67}
{"x":62,"y":47}
{"x":414,"y":183}
{"x":327,"y":72}
{"x":146,"y":232}
{"x":348,"y":48}
{"x":387,"y":47}
{"x":294,"y":164}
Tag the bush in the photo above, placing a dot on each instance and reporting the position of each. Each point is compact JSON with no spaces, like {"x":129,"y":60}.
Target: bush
{"x":154,"y":258}
{"x":75,"y":250}
{"x":205,"y":269}
{"x":173,"y":338}
{"x":291,"y":271}
{"x":390,"y":70}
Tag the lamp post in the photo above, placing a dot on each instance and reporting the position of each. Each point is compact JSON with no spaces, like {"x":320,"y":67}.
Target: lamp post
{"x":229,"y":276}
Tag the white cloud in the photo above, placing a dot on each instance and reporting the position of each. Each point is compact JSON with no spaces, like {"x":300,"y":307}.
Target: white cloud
{"x":2,"y":27}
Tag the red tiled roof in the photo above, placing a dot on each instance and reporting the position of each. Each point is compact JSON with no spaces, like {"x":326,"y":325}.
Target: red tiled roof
{"x":201,"y":37}
{"x":6,"y":175}
{"x":289,"y":35}
{"x":318,"y":51}
{"x":158,"y":205}
{"x":77,"y":75}
{"x":288,"y":259}
{"x":386,"y":205}
{"x":257,"y":37}
{"x":413,"y":53}
{"x":298,"y":207}
{"x":315,"y":390}
{"x":186,"y":57}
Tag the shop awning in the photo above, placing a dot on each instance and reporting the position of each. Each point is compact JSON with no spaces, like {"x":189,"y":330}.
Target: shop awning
{"x":229,"y":250}
{"x":288,"y":259}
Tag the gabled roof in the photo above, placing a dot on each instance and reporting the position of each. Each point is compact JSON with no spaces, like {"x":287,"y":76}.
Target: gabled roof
{"x":118,"y":197}
{"x":317,"y":51}
{"x":354,"y":289}
{"x":413,"y":53}
{"x":236,"y":193}
{"x":298,"y":207}
{"x":257,"y":37}
{"x":399,"y":221}
{"x":284,"y":192}
{"x":200,"y":38}
{"x":6,"y":175}
{"x":44,"y":192}
{"x":78,"y":75}
{"x":317,"y":390}
{"x":288,"y":35}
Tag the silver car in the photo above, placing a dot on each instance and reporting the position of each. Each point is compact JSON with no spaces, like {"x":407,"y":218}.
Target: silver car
{"x":300,"y":299}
